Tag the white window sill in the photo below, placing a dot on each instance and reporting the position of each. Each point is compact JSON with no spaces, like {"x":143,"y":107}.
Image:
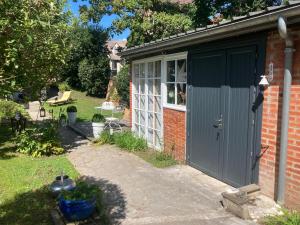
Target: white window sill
{"x":175,"y":107}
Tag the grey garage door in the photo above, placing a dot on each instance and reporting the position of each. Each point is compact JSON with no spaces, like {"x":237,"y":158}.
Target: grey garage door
{"x":221,"y":118}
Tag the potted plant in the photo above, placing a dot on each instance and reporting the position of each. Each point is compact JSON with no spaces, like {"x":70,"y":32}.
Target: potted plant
{"x":98,"y":123}
{"x":63,"y":120}
{"x":79,"y":203}
{"x":72,"y":112}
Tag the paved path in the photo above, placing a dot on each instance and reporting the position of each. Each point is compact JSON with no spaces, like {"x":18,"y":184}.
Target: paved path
{"x":139,"y":194}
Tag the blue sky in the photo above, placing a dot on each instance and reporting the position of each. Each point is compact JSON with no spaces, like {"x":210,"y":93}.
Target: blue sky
{"x":105,"y":22}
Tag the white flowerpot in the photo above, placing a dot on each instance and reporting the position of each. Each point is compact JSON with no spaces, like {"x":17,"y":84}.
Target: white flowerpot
{"x":72,"y":117}
{"x":97,"y":129}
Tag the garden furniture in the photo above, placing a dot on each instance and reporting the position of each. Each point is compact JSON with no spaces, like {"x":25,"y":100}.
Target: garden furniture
{"x":111,"y":122}
{"x":65,"y":98}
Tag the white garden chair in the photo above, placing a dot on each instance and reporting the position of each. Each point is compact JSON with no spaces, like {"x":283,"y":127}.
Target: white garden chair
{"x":111,"y":122}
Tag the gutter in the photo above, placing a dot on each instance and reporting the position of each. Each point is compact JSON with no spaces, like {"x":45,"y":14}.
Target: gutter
{"x":288,"y":65}
{"x":239,"y":26}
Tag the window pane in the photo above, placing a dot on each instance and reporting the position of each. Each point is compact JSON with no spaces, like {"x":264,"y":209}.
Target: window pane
{"x":157,"y":121}
{"x":142,"y":70}
{"x":136,"y":86}
{"x":150,"y":136}
{"x":136,"y":101}
{"x":136,"y":128}
{"x":150,"y":103}
{"x":150,"y":120}
{"x":181,"y":94}
{"x":142,"y":102}
{"x":157,"y":86}
{"x":181,"y":70}
{"x":150,"y":69}
{"x":142,"y":86}
{"x":157,"y":69}
{"x":157,"y":104}
{"x":157,"y":139}
{"x":136,"y":70}
{"x":171,"y":93}
{"x":136,"y":116}
{"x":171,"y":71}
{"x":142,"y":131}
{"x":150,"y":87}
{"x":142,"y":118}
{"x":114,"y":64}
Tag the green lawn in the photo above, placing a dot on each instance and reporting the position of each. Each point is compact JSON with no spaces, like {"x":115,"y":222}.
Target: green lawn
{"x":24,"y":197}
{"x":85,"y":106}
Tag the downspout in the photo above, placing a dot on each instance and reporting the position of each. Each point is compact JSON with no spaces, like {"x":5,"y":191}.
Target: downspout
{"x":288,"y":63}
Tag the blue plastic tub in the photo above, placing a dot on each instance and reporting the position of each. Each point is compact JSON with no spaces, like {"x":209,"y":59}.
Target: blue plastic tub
{"x":74,"y":210}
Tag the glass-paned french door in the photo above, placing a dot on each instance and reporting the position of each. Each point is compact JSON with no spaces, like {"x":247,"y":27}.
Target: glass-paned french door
{"x":147,"y":104}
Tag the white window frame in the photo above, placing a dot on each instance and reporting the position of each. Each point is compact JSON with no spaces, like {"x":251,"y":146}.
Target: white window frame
{"x":164,"y":104}
{"x":172,"y":57}
{"x":134,"y":91}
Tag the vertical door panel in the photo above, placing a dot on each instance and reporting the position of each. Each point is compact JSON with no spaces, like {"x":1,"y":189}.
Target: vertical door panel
{"x":238,"y":129}
{"x":222,"y":88}
{"x":205,"y":109}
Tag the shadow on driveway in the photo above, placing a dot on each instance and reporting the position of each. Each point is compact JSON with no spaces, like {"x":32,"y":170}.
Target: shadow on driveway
{"x":114,"y":200}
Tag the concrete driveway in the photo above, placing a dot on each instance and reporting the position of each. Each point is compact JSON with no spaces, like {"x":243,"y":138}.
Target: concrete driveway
{"x":138,"y":194}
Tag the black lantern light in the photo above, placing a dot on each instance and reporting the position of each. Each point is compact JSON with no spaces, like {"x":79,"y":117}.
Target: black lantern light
{"x":42,"y":112}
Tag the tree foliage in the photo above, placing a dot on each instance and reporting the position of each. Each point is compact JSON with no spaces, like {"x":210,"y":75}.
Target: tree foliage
{"x":87,"y":67}
{"x":146,"y":19}
{"x":122,"y":84}
{"x":227,"y":8}
{"x":94,"y":75}
{"x":33,"y":44}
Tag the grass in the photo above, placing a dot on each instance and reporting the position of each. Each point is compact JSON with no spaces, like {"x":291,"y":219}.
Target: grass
{"x":24,"y":196}
{"x":85,"y":106}
{"x":287,"y":218}
{"x":125,"y":140}
{"x":128,"y":142}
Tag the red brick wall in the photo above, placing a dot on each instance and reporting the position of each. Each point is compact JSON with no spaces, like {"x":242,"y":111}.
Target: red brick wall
{"x":174,"y":133}
{"x":271,"y":123}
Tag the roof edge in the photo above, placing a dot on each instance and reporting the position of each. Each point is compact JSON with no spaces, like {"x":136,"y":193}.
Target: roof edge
{"x":241,"y":26}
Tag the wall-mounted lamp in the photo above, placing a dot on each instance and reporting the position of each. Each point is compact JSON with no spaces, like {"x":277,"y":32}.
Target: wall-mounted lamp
{"x":267,"y":79}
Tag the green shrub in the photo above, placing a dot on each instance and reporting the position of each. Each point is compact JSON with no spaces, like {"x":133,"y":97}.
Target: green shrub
{"x":98,"y":118}
{"x":8,"y":109}
{"x":63,"y":117}
{"x":94,"y":75}
{"x":125,"y":140}
{"x":64,"y":86}
{"x":122,"y":85}
{"x":82,"y":191}
{"x":162,"y":156}
{"x":72,"y":108}
{"x":40,"y":141}
{"x":287,"y":218}
{"x":128,"y":141}
{"x":105,"y":138}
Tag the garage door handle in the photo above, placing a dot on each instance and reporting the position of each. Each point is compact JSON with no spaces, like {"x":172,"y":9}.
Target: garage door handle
{"x":219,"y":122}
